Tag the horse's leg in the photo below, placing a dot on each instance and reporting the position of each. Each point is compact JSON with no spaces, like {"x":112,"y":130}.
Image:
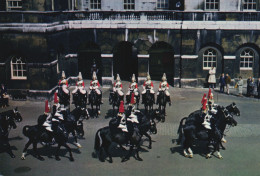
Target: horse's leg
{"x":128,"y":155}
{"x":98,"y":108}
{"x":106,"y":148}
{"x":36,"y":152}
{"x":217,"y":148}
{"x":150,"y":140}
{"x":25,"y":149}
{"x":137,"y":153}
{"x":76,"y":139}
{"x":57,"y":151}
{"x":9,"y":150}
{"x":221,"y":145}
{"x":191,"y":153}
{"x":69,"y":149}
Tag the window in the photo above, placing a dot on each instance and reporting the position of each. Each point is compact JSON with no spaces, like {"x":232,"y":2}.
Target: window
{"x":129,"y":4}
{"x":246,"y":59}
{"x":162,"y":4}
{"x":18,"y":68}
{"x":211,"y":4}
{"x":209,"y":59}
{"x":14,"y":4}
{"x":95,"y":4}
{"x":249,"y":4}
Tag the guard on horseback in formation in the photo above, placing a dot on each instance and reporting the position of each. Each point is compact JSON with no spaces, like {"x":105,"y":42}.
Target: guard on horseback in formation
{"x":56,"y":105}
{"x":63,"y":80}
{"x":94,"y":85}
{"x":63,"y":92}
{"x":164,"y":86}
{"x":117,"y":88}
{"x":48,"y":123}
{"x":205,"y":114}
{"x":133,"y":117}
{"x":80,"y":85}
{"x":122,"y":118}
{"x":133,"y":87}
{"x":148,"y":85}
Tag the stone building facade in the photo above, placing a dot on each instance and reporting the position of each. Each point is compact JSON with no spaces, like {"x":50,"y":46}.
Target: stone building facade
{"x":40,"y":38}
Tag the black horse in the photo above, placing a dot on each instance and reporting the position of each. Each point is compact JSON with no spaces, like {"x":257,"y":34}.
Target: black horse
{"x":149,"y":101}
{"x":7,"y":122}
{"x":64,"y":96}
{"x":146,"y":124}
{"x":94,"y":101}
{"x":162,"y":100}
{"x":107,"y":135}
{"x":80,"y":99}
{"x":137,"y":98}
{"x":114,"y":100}
{"x":194,"y":130}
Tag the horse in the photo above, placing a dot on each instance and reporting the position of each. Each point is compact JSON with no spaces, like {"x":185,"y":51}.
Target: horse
{"x":114,"y":99}
{"x":233,"y":109}
{"x":193,"y":130}
{"x":64,"y":96}
{"x":7,"y":122}
{"x":107,"y":135}
{"x":93,"y":100}
{"x":137,"y":98}
{"x":149,"y":101}
{"x":80,"y":99}
{"x":162,"y":100}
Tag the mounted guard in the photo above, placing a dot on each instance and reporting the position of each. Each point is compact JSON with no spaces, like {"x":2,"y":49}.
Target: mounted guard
{"x":205,"y":115}
{"x":121,"y":117}
{"x":212,"y":106}
{"x":63,"y":92}
{"x":133,"y":117}
{"x":94,"y":85}
{"x":163,"y":87}
{"x":79,"y":93}
{"x":148,"y":85}
{"x":133,"y":87}
{"x":48,"y":122}
{"x":117,"y":88}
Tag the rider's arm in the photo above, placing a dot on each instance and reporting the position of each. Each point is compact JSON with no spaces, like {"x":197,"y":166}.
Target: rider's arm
{"x":98,"y":84}
{"x":152,"y":84}
{"x":67,"y":83}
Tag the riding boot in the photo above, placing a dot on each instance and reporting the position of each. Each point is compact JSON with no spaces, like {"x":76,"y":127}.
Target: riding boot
{"x":100,"y":98}
{"x":153,"y":99}
{"x":127,"y":99}
{"x":157,"y":101}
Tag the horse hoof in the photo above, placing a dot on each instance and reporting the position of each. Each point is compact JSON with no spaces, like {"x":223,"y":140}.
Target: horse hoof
{"x":224,"y":141}
{"x":190,"y":156}
{"x":71,"y":159}
{"x":57,"y":158}
{"x":78,"y":145}
{"x":12,"y":156}
{"x":150,"y":147}
{"x":110,"y":161}
{"x":139,"y":159}
{"x":40,"y":158}
{"x":208,"y":156}
{"x":220,"y":157}
{"x":22,"y":158}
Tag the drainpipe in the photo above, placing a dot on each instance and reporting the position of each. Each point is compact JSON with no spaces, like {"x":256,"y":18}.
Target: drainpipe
{"x":181,"y":49}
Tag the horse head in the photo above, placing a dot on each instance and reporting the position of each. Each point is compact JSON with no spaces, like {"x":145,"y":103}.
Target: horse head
{"x":153,"y":127}
{"x":17,"y":116}
{"x":233,"y":109}
{"x":229,"y":118}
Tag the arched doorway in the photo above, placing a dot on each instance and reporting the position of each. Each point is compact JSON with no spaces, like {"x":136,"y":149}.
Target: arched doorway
{"x":88,"y":54}
{"x":125,"y":61}
{"x":161,"y":61}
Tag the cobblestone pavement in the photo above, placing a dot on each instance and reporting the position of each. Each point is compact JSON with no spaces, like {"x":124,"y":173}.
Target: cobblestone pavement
{"x":165,"y":158}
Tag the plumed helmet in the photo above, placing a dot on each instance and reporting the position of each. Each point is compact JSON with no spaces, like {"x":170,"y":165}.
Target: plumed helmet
{"x":148,"y":76}
{"x":132,"y":99}
{"x":133,"y":78}
{"x":121,"y":107}
{"x":63,"y":74}
{"x":164,"y":77}
{"x":80,"y":76}
{"x":117,"y":77}
{"x":47,"y":108}
{"x":56,"y":98}
{"x":204,"y":105}
{"x":94,"y":75}
{"x":203,"y":98}
{"x":209,"y":93}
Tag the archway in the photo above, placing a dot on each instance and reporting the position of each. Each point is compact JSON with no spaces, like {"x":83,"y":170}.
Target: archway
{"x":125,"y":61}
{"x":161,"y":61}
{"x":88,"y":54}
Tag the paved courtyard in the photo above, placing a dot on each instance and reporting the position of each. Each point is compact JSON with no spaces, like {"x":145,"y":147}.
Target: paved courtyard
{"x":165,"y":158}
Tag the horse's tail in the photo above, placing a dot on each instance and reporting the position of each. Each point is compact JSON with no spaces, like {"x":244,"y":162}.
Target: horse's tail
{"x":180,"y":130}
{"x":26,"y":130}
{"x":98,"y":140}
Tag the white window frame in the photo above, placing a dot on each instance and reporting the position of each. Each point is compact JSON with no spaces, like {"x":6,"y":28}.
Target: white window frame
{"x":212,"y":5}
{"x":162,"y":4}
{"x":14,"y":68}
{"x":247,"y":58}
{"x":247,"y":3}
{"x":128,"y":3}
{"x":13,"y":4}
{"x":92,"y":3}
{"x":209,"y":56}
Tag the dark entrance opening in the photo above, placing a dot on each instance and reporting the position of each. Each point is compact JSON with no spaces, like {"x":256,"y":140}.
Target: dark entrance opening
{"x":161,"y":61}
{"x":88,"y":54}
{"x":125,"y":61}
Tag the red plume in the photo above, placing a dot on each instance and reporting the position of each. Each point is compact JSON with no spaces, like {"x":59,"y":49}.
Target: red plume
{"x":47,"y":109}
{"x":203,"y":98}
{"x":56,"y":98}
{"x":121,"y":107}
